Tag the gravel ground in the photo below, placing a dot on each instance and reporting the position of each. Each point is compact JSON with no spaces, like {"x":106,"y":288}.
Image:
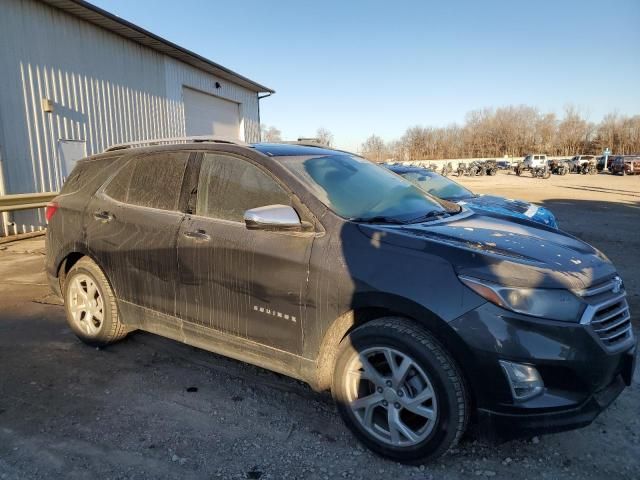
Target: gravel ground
{"x":153,"y":408}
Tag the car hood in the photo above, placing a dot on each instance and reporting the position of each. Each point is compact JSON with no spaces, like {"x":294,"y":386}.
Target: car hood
{"x":515,"y":253}
{"x":506,"y":206}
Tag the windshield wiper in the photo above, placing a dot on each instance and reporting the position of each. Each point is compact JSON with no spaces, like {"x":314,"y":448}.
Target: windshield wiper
{"x":378,"y":219}
{"x":432,"y":215}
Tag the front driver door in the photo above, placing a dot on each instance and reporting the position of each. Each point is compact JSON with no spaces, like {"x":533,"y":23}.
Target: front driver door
{"x":249,"y":283}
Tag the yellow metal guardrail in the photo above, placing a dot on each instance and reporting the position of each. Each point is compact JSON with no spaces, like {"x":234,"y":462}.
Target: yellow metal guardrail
{"x":25,"y":201}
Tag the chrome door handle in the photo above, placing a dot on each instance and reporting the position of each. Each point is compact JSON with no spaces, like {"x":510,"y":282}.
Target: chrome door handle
{"x":103,"y":216}
{"x":197,"y":235}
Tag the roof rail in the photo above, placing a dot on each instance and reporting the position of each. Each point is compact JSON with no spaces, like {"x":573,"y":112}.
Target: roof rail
{"x":171,"y":140}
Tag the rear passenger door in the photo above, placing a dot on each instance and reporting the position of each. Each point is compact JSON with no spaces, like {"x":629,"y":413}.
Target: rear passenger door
{"x":132,"y":224}
{"x":248,"y":283}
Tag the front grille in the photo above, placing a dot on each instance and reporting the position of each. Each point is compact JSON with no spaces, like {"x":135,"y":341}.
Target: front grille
{"x":607,"y":314}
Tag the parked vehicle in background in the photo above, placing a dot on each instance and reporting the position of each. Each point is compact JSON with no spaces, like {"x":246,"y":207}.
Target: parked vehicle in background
{"x":625,"y":165}
{"x":559,"y":167}
{"x":504,"y":164}
{"x":490,"y":167}
{"x":418,"y":314}
{"x":589,"y":168}
{"x":447,"y":169}
{"x":535,"y":164}
{"x":604,"y":160}
{"x":578,"y":161}
{"x":534,"y":161}
{"x":473,"y":169}
{"x":452,"y":191}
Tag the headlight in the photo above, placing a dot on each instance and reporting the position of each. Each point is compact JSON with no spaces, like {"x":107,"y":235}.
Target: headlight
{"x":555,"y":304}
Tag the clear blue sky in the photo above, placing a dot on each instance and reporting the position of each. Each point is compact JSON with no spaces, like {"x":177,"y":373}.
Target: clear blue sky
{"x":363,"y":67}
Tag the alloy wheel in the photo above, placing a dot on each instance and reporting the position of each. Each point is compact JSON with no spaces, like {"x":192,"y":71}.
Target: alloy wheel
{"x":85,"y":304}
{"x":391,"y":396}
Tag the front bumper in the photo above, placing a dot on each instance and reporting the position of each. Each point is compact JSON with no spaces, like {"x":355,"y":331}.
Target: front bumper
{"x":581,"y":377}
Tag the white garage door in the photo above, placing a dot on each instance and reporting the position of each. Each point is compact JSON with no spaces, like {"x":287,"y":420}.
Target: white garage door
{"x":205,"y":114}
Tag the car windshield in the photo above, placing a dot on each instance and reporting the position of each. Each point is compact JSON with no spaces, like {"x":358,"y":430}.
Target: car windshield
{"x":357,"y":189}
{"x":437,"y":185}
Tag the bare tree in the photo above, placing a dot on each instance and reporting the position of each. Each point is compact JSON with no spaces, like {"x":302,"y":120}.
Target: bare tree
{"x":270,"y":134}
{"x":573,"y":132}
{"x":324,"y":136}
{"x":374,"y":149}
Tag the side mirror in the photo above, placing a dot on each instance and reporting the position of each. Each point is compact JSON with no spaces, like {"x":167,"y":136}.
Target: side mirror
{"x":272,"y":217}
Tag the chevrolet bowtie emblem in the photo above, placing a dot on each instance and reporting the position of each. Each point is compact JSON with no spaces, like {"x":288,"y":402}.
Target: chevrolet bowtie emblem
{"x":617,"y":285}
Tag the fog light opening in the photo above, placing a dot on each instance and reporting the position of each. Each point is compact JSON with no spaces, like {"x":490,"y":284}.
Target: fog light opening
{"x":524,"y":380}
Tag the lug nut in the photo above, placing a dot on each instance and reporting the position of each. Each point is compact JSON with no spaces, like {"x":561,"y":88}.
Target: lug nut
{"x":388,"y":383}
{"x":385,"y":403}
{"x":400,"y":393}
{"x":379,"y":389}
{"x":397,"y":405}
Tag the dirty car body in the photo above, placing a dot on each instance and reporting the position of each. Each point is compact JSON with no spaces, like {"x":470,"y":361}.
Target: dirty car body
{"x":448,"y":189}
{"x":495,"y":294}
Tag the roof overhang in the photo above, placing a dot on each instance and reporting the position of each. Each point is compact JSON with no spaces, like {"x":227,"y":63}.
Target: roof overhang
{"x":119,"y":26}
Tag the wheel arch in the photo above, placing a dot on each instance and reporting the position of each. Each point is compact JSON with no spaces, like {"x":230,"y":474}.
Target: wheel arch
{"x":357,"y":316}
{"x":72,"y":257}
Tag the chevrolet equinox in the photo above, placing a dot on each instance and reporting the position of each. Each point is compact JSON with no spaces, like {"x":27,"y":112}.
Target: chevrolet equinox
{"x":419,"y":315}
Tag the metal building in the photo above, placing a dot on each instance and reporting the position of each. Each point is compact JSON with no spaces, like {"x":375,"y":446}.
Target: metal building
{"x":75,"y":79}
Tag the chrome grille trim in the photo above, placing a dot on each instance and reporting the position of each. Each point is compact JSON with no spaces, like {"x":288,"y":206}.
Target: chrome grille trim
{"x":618,"y":323}
{"x":624,"y":308}
{"x":607,"y":314}
{"x":601,"y":288}
{"x":592,"y":309}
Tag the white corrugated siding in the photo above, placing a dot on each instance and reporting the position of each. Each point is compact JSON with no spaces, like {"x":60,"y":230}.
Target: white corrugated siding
{"x":105,"y":89}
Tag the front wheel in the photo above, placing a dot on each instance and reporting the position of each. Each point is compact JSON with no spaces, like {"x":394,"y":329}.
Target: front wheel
{"x":399,"y":391}
{"x":90,"y":305}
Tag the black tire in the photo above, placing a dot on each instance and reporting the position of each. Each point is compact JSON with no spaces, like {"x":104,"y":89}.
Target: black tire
{"x":448,"y":384}
{"x":110,"y":328}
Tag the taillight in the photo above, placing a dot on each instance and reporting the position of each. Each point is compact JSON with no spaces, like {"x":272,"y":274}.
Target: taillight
{"x":50,"y":210}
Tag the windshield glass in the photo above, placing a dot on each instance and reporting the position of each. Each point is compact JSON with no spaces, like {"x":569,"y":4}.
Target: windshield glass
{"x":357,"y":189}
{"x":437,"y":185}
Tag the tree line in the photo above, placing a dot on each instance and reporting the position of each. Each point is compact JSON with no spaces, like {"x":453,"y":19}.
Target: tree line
{"x":513,"y":131}
{"x":273,"y":134}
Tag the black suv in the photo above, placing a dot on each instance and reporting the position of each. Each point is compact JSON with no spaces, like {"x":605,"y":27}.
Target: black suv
{"x":420,"y":315}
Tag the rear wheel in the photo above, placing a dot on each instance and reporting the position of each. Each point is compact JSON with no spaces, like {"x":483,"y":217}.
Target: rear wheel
{"x":90,"y":305}
{"x":399,"y":392}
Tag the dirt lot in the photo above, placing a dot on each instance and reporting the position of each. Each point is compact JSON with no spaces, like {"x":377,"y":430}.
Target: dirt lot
{"x":152,"y":408}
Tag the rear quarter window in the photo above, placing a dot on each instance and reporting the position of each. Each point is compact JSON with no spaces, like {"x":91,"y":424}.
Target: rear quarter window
{"x":87,"y":173}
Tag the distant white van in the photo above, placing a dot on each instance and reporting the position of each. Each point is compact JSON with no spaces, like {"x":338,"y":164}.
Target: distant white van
{"x":535,"y":161}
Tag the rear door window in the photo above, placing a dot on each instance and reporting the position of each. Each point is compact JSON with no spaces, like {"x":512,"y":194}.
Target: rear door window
{"x":228,"y":186}
{"x":152,"y":181}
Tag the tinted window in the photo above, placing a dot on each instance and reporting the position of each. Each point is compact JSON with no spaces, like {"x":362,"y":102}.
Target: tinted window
{"x":151,"y":181}
{"x":228,"y":186}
